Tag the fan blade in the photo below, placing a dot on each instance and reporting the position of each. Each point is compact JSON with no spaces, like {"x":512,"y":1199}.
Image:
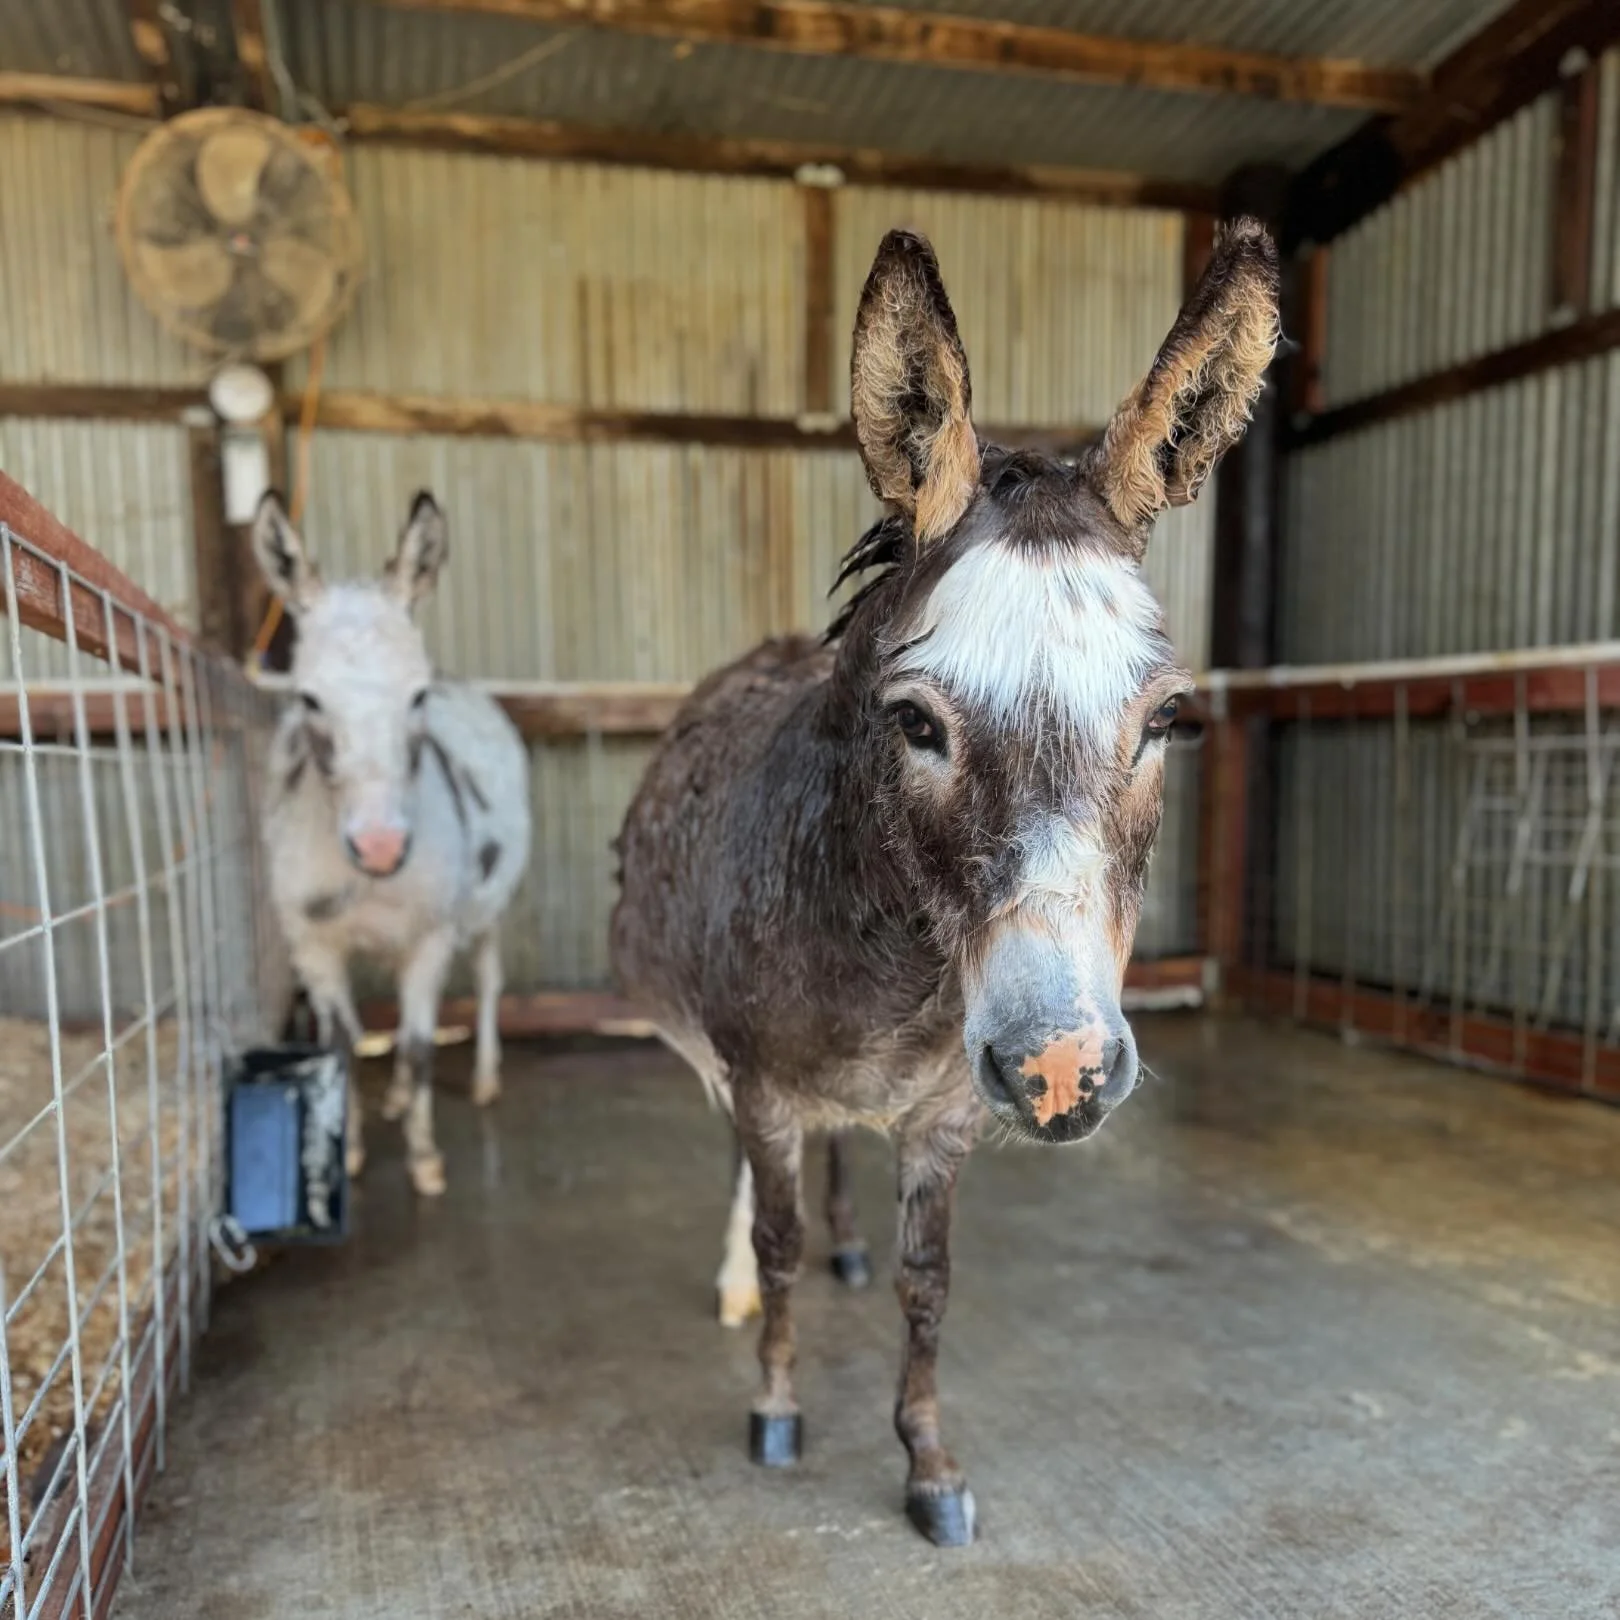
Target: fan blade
{"x":190,"y":275}
{"x":303,"y":272}
{"x":228,"y":169}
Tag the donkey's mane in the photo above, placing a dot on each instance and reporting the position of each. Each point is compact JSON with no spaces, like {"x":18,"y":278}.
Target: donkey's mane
{"x":884,"y":547}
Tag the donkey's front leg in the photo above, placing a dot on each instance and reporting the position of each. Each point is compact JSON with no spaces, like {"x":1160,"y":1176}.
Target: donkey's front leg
{"x":325,"y":978}
{"x":938,"y":1501}
{"x":419,"y":986}
{"x":774,"y":1143}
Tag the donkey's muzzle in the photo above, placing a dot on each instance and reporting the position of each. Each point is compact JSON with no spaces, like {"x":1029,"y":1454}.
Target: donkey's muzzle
{"x":379,"y":852}
{"x":1059,"y":1088}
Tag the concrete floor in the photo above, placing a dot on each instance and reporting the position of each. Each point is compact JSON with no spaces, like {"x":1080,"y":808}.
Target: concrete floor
{"x":1307,"y":1332}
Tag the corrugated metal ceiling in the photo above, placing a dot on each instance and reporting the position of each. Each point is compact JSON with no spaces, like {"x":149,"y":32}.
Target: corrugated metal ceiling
{"x":351,"y":50}
{"x":361,"y":53}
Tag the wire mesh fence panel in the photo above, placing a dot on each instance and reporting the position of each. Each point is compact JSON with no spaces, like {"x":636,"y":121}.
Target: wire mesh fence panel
{"x":135,"y":955}
{"x":1452,"y":880}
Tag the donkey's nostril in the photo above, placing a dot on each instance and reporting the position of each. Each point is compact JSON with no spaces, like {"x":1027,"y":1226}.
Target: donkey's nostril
{"x":993,"y":1079}
{"x":1118,"y":1078}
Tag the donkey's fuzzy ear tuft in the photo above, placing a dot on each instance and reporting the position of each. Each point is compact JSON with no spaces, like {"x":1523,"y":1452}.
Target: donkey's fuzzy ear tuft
{"x":281,"y":556}
{"x":424,"y":543}
{"x":1193,"y":405}
{"x":909,"y":389}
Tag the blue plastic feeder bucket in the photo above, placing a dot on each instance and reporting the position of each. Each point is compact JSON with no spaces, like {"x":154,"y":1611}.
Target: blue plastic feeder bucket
{"x":288,"y":1130}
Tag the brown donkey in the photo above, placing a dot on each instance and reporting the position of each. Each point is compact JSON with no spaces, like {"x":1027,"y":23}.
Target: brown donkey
{"x":892,"y":879}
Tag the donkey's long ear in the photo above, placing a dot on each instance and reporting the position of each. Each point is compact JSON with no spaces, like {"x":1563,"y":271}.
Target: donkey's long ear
{"x":1192,"y":407}
{"x":909,"y":389}
{"x":424,"y":543}
{"x":281,"y":556}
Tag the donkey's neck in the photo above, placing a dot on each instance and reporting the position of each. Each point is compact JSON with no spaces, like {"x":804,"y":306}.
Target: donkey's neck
{"x":821,"y":881}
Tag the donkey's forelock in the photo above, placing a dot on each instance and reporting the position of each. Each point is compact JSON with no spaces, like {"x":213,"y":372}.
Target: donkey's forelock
{"x":359,"y":632}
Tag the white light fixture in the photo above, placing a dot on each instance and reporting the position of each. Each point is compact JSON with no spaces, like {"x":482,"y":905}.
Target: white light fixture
{"x":242,"y":396}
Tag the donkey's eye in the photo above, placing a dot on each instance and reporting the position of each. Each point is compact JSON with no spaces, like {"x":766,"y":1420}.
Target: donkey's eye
{"x":1163,"y":718}
{"x":419,"y":701}
{"x":312,"y":704}
{"x":916,"y":727}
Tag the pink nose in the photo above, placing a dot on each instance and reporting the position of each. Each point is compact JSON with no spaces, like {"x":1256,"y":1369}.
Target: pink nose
{"x":379,"y":850}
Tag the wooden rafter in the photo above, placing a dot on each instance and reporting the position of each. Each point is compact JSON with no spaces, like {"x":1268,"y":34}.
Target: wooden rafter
{"x":110,"y":95}
{"x":542,"y":138}
{"x":887,"y":34}
{"x":151,"y":41}
{"x":247,"y":19}
{"x":1517,"y":57}
{"x":1561,"y":346}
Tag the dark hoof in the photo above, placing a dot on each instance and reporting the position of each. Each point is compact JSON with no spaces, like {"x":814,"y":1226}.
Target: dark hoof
{"x":775,"y":1442}
{"x":851,"y":1267}
{"x":945,"y":1517}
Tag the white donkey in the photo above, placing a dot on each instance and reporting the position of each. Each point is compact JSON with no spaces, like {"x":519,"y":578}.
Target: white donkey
{"x":398,"y":814}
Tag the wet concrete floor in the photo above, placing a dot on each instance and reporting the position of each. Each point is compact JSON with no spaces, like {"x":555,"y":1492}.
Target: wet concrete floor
{"x":1307,"y":1332}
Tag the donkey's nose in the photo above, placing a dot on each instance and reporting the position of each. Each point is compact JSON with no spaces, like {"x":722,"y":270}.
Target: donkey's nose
{"x":379,"y":851}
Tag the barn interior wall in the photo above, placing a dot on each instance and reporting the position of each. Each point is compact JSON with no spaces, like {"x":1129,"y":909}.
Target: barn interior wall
{"x":609,"y":288}
{"x":1489,"y":521}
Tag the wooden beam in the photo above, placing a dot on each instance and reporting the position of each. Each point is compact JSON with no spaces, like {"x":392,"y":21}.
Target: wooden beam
{"x":1223,"y":864}
{"x":111,"y":95}
{"x":151,"y":42}
{"x":1197,"y":245}
{"x":110,"y":402}
{"x":818,"y":299}
{"x":51,"y":712}
{"x":1515,"y":58}
{"x":538,"y":1014}
{"x":573,"y":424}
{"x":1492,"y":695}
{"x":541,"y":1014}
{"x":886,"y":34}
{"x":1308,"y":398}
{"x":1575,"y":193}
{"x":1581,"y":340}
{"x":247,"y":21}
{"x":215,"y":547}
{"x":622,"y":709}
{"x":42,"y":603}
{"x":1550,"y":1057}
{"x":495,"y":418}
{"x":541,"y":138}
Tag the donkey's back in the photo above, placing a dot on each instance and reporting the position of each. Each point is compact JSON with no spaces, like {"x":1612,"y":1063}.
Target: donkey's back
{"x":678,"y":867}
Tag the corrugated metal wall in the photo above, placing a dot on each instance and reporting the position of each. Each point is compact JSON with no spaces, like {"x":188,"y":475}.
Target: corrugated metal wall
{"x":1455,"y":266}
{"x":604,"y":287}
{"x":1061,"y":306}
{"x":1492,"y":521}
{"x":576,"y":284}
{"x":70,"y":315}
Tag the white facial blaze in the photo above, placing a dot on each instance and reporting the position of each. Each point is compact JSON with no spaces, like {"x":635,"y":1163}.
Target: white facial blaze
{"x":1005,"y":628}
{"x":360,"y":655}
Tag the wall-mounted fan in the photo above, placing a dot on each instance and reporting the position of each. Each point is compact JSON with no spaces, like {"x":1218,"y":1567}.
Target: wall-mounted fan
{"x":238,"y":233}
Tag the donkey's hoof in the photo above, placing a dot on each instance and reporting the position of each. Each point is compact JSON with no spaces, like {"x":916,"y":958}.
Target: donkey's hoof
{"x":775,"y":1442}
{"x":486,"y":1088}
{"x":737,"y":1305}
{"x":851,"y":1266}
{"x":945,"y":1517}
{"x":427,"y":1174}
{"x":396,"y":1101}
